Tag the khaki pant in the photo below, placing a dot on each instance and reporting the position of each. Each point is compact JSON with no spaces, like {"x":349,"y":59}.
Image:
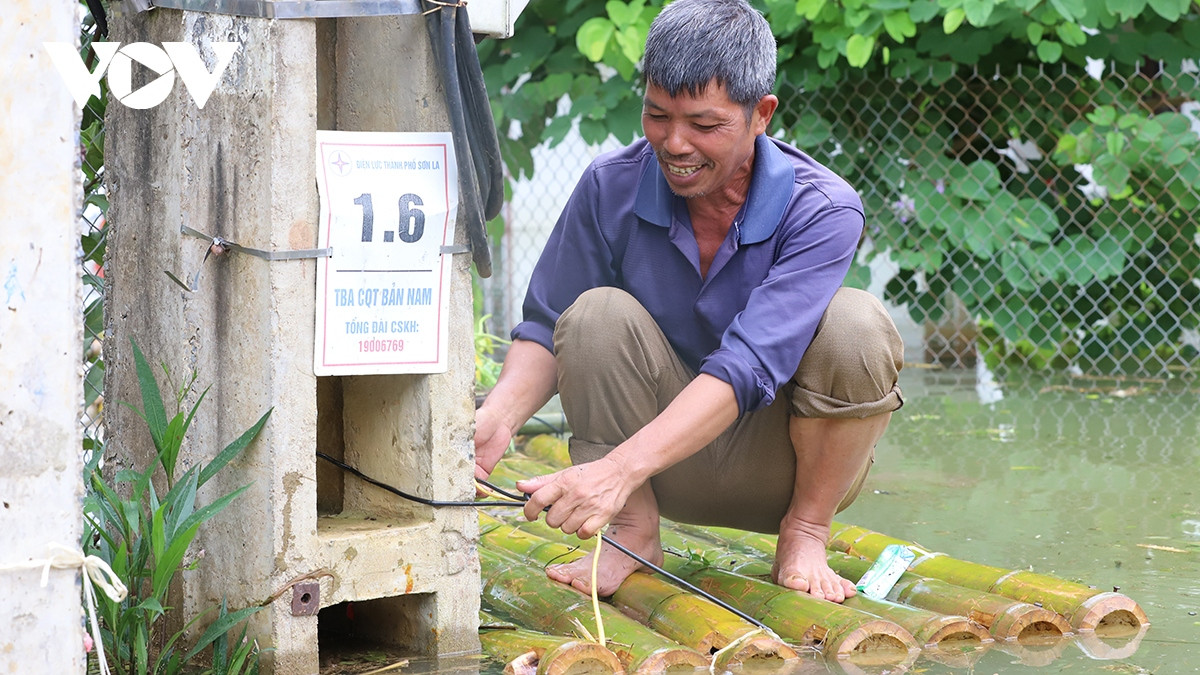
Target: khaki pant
{"x":617,"y":372}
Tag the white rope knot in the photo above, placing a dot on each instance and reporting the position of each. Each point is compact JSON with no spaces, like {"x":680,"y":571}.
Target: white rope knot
{"x":94,"y":571}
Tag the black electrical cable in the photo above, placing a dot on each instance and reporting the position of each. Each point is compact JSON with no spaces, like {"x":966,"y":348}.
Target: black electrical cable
{"x":521,"y":503}
{"x":397,"y":491}
{"x":695,"y":589}
{"x":476,"y":144}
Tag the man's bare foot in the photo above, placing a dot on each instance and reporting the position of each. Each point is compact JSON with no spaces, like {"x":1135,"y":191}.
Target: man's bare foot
{"x":635,"y":528}
{"x":800,"y":564}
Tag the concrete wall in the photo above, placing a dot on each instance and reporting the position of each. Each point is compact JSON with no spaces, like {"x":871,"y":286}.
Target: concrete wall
{"x":40,"y":339}
{"x":243,"y":168}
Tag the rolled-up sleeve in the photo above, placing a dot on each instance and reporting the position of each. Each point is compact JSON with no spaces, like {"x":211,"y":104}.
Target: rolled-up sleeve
{"x":763,"y":345}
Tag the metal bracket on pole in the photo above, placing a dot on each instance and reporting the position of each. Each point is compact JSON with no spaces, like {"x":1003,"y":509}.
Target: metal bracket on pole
{"x":296,"y":9}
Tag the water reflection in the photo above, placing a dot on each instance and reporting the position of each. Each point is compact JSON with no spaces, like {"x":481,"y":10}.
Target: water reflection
{"x":1080,"y":479}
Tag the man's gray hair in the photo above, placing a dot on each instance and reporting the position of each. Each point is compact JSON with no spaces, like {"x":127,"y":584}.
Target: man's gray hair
{"x":694,"y":42}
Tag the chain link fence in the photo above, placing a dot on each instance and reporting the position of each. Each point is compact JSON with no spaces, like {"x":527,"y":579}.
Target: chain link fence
{"x":1037,"y":216}
{"x":93,"y":230}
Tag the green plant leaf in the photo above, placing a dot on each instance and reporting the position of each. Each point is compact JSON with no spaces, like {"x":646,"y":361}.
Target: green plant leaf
{"x":977,"y":181}
{"x":153,"y":411}
{"x":1071,"y":10}
{"x":222,"y":625}
{"x":978,"y":12}
{"x":952,"y":20}
{"x":1103,"y":116}
{"x":233,"y":449}
{"x":1170,"y":10}
{"x":1071,"y":34}
{"x":172,"y":558}
{"x":899,"y":25}
{"x":1125,"y":9}
{"x":858,"y":49}
{"x":592,"y":37}
{"x":1049,"y":51}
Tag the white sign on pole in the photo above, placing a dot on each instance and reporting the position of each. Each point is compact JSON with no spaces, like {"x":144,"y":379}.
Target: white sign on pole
{"x":388,"y":205}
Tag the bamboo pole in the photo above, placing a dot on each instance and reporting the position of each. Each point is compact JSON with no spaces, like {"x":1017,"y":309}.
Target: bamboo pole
{"x":684,"y":617}
{"x":838,"y":631}
{"x":928,"y":627}
{"x":1005,"y":618}
{"x":1086,"y":609}
{"x":528,"y":652}
{"x":525,"y":593}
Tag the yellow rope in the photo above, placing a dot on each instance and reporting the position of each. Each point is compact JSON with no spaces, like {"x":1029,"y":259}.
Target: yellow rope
{"x":596,"y":594}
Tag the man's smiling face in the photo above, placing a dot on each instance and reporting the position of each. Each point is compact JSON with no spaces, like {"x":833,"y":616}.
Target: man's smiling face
{"x":702,"y":142}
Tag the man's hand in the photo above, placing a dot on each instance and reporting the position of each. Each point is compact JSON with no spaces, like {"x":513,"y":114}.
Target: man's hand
{"x":582,"y":499}
{"x":492,"y":437}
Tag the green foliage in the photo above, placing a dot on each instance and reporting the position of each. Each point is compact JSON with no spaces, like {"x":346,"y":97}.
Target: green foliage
{"x":487,"y":370}
{"x":884,"y":92}
{"x":145,"y":539}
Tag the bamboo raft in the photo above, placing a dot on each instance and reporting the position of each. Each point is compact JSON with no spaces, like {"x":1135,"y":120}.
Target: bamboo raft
{"x":944,"y":609}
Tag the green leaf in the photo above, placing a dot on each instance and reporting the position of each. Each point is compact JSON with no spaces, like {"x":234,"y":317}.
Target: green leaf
{"x":1034,"y":31}
{"x":1177,"y":156}
{"x":623,"y":14}
{"x":166,"y":566}
{"x":810,"y":8}
{"x":1034,"y":221}
{"x":233,"y":449}
{"x":1104,"y":116}
{"x":1049,"y":51}
{"x":899,"y":25}
{"x":223,"y":624}
{"x":922,"y":11}
{"x":978,"y":11}
{"x":1106,"y":259}
{"x":1015,"y":270}
{"x":858,"y":49}
{"x":1112,"y":173}
{"x":592,"y":37}
{"x":1071,"y":10}
{"x":152,"y":405}
{"x":977,"y":182}
{"x":1125,"y":9}
{"x":1170,"y":10}
{"x":1071,"y":35}
{"x":1114,"y":142}
{"x":953,"y":20}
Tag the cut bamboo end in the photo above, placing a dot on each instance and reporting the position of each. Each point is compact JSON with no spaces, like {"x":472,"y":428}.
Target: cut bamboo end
{"x":1114,"y":613}
{"x":668,"y":660}
{"x":757,"y":650}
{"x":525,"y":664}
{"x":952,"y":630}
{"x":1024,"y":622}
{"x":882,"y":639}
{"x":573,"y":658}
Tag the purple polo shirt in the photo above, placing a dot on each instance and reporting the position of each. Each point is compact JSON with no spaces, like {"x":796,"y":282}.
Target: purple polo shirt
{"x":751,"y":319}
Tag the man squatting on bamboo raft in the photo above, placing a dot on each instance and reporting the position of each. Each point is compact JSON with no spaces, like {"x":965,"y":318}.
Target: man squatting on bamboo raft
{"x":688,"y":310}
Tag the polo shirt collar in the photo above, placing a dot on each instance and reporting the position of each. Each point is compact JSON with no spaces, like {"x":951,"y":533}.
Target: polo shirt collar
{"x":771,"y":188}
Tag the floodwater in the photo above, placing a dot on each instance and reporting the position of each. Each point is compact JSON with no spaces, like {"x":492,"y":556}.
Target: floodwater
{"x":1092,"y":481}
